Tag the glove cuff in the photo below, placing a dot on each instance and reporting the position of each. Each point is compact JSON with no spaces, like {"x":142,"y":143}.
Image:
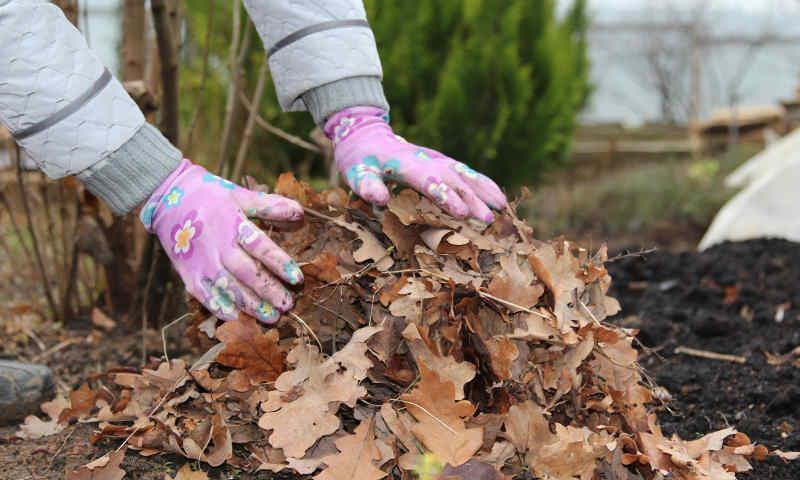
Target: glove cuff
{"x":324,"y":101}
{"x":129,"y":175}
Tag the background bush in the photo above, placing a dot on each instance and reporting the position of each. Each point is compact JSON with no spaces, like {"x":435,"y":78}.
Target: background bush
{"x":497,"y":85}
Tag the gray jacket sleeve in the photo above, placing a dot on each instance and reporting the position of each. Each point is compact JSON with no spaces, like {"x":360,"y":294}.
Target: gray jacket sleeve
{"x":69,"y":114}
{"x":322,"y":54}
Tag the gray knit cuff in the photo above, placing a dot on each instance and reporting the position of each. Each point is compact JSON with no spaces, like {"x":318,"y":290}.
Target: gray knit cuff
{"x":128,"y":176}
{"x":333,"y":97}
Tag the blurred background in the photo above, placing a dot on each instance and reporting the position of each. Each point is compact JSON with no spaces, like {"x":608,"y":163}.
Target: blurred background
{"x":612,"y":120}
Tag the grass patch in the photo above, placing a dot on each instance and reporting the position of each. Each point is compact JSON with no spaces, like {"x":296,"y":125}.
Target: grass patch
{"x":631,"y":203}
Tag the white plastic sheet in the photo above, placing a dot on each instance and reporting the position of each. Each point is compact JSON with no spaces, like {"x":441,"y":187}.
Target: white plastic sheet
{"x":768,"y":205}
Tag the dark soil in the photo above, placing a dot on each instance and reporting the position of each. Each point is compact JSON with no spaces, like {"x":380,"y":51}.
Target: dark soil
{"x":726,"y":300}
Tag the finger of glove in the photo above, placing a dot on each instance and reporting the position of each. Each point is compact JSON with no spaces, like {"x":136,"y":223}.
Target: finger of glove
{"x":266,"y":286}
{"x":370,"y":187}
{"x":439,"y":193}
{"x":477,"y":207}
{"x":268,"y":206}
{"x":483,"y":186}
{"x":249,"y":303}
{"x":219,"y":300}
{"x":262,"y":248}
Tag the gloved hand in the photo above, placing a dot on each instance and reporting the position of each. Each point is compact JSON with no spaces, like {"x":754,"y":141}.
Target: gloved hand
{"x":367,"y":152}
{"x":225,"y":261}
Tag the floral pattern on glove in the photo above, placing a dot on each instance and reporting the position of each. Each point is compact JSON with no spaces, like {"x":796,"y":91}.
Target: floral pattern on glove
{"x":367,"y":152}
{"x":224,"y":259}
{"x":174,"y":197}
{"x":368,"y":168}
{"x":223,"y":296}
{"x":185,"y":233}
{"x":210,"y":177}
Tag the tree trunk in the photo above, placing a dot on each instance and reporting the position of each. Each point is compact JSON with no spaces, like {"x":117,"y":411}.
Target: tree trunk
{"x":154,"y":287}
{"x":70,"y":8}
{"x":133,"y":40}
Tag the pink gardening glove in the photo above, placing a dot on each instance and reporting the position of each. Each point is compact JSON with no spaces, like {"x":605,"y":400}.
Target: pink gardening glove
{"x":225,"y":261}
{"x":368,"y":152}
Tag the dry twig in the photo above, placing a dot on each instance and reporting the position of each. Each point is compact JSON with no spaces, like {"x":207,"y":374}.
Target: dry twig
{"x":693,"y":352}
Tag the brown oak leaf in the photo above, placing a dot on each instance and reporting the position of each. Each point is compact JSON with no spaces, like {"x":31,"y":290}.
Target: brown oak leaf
{"x":440,"y":419}
{"x":446,"y":366}
{"x":313,"y":391}
{"x":256,"y":353}
{"x":36,"y":428}
{"x":356,"y":458}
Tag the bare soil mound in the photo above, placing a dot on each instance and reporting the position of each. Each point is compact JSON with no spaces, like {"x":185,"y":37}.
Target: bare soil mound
{"x":736,"y":298}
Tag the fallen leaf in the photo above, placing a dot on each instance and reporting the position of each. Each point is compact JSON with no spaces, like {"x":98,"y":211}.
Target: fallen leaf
{"x":440,"y":419}
{"x":102,"y":321}
{"x":186,"y":473}
{"x":34,"y":428}
{"x":81,"y":403}
{"x":459,"y":373}
{"x":318,"y":389}
{"x":788,"y":456}
{"x":103,"y":468}
{"x":256,"y":354}
{"x":356,"y":458}
{"x":217,"y":447}
{"x":558,"y":272}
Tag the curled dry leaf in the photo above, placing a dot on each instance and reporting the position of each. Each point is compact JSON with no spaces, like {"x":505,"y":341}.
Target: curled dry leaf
{"x":559,"y":274}
{"x":34,"y":428}
{"x":216,"y":448}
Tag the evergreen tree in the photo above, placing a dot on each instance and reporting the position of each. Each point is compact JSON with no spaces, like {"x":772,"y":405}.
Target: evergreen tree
{"x":497,"y":85}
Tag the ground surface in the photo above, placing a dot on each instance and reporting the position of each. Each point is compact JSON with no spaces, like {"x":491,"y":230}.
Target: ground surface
{"x":724,"y":300}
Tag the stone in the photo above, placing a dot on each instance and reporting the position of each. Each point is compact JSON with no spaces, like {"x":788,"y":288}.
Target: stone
{"x":23,"y":387}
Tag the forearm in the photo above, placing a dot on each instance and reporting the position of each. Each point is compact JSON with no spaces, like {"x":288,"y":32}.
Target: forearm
{"x":322,"y":59}
{"x":69,"y":113}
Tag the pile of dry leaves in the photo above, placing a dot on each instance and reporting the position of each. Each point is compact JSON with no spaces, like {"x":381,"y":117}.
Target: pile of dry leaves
{"x":420,"y":346}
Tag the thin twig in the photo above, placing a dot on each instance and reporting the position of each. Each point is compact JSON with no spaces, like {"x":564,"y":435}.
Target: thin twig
{"x":146,"y":298}
{"x":61,"y":447}
{"x":154,"y":410}
{"x":15,"y":226}
{"x":304,"y":324}
{"x":426,"y":411}
{"x":511,"y":304}
{"x":164,"y":332}
{"x":640,"y":253}
{"x":56,"y":348}
{"x":261,"y":122}
{"x":693,"y":352}
{"x":247,"y":136}
{"x":48,"y":292}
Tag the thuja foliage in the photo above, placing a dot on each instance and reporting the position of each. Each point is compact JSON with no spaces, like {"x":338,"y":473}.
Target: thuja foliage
{"x":497,"y":85}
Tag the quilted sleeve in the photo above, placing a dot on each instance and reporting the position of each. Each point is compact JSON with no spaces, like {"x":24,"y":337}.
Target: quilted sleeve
{"x":312,"y":43}
{"x":60,"y":103}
